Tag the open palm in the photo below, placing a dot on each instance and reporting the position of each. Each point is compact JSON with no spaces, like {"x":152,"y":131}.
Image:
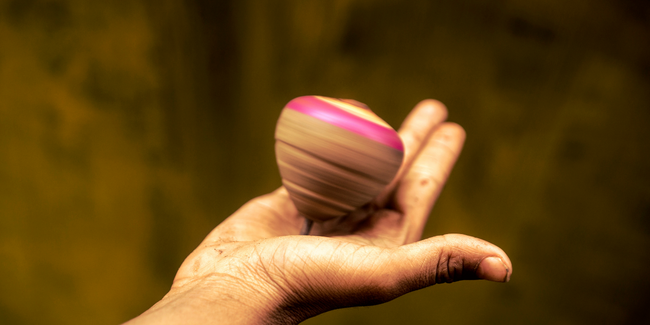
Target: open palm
{"x":370,"y":256}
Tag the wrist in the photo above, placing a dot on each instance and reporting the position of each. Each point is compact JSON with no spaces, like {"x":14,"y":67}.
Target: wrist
{"x":218,"y":299}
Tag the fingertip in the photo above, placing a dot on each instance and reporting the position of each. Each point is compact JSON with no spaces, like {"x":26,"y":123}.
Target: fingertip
{"x":493,"y":269}
{"x":455,"y":128}
{"x":420,"y":123}
{"x":432,"y":108}
{"x":455,"y":257}
{"x":451,"y":134}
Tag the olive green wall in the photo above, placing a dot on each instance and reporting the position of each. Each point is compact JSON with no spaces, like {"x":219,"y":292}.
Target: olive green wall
{"x":128,"y":129}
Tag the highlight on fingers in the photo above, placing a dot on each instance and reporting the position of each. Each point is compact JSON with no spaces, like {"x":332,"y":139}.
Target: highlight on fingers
{"x":418,"y":126}
{"x":422,"y":183}
{"x":414,"y":131}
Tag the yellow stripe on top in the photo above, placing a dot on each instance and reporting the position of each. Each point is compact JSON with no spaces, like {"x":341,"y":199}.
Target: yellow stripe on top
{"x":358,"y":111}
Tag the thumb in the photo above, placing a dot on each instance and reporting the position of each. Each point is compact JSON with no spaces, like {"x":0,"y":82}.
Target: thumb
{"x":449,"y":258}
{"x":338,"y":275}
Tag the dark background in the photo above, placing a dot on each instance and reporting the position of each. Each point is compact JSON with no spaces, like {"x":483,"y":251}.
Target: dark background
{"x":129,"y":129}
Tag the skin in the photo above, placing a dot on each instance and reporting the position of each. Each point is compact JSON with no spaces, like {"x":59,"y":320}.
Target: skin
{"x":254,"y":269}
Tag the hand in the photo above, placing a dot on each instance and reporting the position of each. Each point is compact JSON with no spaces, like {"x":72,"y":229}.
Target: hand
{"x":254,"y":269}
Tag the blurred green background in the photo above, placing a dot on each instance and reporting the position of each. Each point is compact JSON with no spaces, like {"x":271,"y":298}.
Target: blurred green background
{"x":129,"y":129}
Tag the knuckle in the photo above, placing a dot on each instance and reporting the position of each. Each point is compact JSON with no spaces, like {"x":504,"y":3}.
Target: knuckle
{"x":424,"y":178}
{"x":449,"y":268}
{"x":428,"y":180}
{"x":413,"y":137}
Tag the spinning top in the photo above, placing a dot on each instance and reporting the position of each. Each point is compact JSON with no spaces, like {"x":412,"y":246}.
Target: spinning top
{"x":334,"y":156}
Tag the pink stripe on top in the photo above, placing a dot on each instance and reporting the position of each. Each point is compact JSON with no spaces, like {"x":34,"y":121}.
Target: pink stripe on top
{"x":333,"y":115}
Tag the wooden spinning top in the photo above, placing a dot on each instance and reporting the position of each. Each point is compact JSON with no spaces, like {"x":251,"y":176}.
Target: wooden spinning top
{"x":334,"y":156}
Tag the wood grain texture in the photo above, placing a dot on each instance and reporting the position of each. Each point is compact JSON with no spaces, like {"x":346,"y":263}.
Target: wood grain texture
{"x":328,"y":170}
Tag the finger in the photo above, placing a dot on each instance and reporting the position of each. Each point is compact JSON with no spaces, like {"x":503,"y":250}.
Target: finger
{"x":414,"y":131}
{"x":344,"y":274}
{"x":270,"y":215}
{"x":423,"y":181}
{"x":449,"y":258}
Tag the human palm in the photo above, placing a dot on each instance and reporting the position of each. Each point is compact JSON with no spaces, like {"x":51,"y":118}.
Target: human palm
{"x":260,"y":266}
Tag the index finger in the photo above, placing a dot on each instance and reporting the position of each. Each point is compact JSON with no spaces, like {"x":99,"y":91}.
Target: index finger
{"x":415,"y":130}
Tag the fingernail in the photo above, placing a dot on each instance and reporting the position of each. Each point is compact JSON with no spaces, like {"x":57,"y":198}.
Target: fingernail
{"x":493,"y":269}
